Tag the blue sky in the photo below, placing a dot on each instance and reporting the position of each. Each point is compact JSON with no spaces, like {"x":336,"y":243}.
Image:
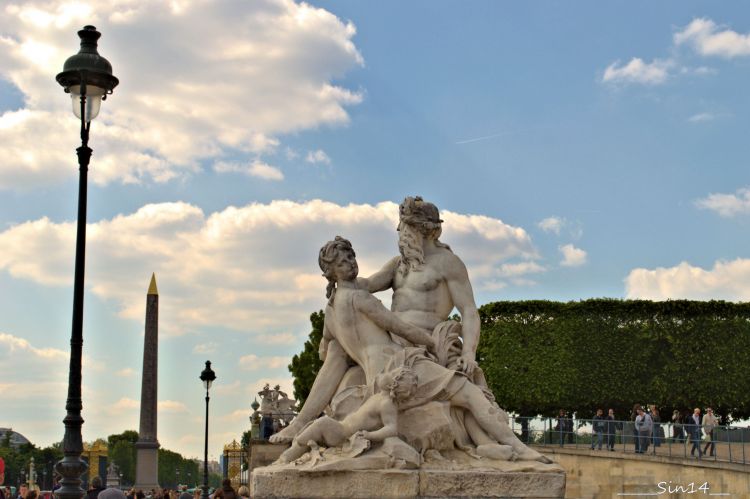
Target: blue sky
{"x":577,"y":150}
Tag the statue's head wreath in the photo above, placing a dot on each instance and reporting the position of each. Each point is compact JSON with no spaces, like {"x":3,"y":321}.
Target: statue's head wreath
{"x":419,"y":213}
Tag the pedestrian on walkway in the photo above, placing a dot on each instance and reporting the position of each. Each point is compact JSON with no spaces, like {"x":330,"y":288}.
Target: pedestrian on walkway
{"x":612,"y":427}
{"x":644,"y":425}
{"x":694,"y":430}
{"x":599,"y":425}
{"x":709,"y":424}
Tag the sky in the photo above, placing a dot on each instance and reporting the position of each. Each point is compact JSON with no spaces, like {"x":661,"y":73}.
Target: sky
{"x":575,"y":150}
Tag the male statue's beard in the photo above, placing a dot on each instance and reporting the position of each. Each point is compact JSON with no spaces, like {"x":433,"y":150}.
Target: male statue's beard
{"x":410,"y":247}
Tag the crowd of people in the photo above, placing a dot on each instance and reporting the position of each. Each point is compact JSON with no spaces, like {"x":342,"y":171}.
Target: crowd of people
{"x":226,"y":491}
{"x":647,"y":429}
{"x":96,"y":490}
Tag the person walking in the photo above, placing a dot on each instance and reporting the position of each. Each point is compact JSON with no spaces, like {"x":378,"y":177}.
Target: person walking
{"x":612,"y":426}
{"x":644,"y":425}
{"x":694,"y":430}
{"x":636,"y":439}
{"x":657,"y":431}
{"x":561,"y":426}
{"x":709,"y":424}
{"x":677,"y":431}
{"x":599,"y":426}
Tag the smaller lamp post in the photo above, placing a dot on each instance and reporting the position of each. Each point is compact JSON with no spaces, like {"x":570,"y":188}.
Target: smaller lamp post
{"x":207,"y":376}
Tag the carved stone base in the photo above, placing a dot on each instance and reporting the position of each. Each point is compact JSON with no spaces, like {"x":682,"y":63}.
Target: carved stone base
{"x":294,"y":483}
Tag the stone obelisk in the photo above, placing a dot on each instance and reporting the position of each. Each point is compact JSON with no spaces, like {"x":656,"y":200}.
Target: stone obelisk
{"x":147,"y":454}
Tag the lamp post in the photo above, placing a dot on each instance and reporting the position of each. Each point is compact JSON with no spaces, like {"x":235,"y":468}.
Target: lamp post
{"x":88,"y":78}
{"x":207,"y":376}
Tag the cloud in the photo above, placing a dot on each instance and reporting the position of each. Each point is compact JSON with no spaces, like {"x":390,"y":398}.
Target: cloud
{"x":727,"y":205}
{"x":18,"y":346}
{"x":702,"y":117}
{"x":257,"y":169}
{"x":203,"y":348}
{"x":551,"y":224}
{"x":170,"y":406}
{"x":709,"y":39}
{"x":318,"y":156}
{"x":278,"y":338}
{"x":198,"y":81}
{"x":727,"y":280}
{"x":252,"y":268}
{"x":126,"y":372}
{"x":253,"y":363}
{"x":572,"y":256}
{"x":637,"y":71}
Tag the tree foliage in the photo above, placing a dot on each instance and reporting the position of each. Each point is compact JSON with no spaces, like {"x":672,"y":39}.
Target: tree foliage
{"x":173,"y":468}
{"x":17,"y":459}
{"x":540,"y":356}
{"x":305,"y":366}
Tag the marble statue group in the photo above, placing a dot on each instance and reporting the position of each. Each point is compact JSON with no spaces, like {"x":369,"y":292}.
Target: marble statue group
{"x":400,"y":387}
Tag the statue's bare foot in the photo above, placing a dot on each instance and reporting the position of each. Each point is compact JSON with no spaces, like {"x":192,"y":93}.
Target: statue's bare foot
{"x":286,"y":435}
{"x":532,"y":455}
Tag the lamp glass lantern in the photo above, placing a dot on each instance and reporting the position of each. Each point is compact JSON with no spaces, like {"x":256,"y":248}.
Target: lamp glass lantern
{"x":87,"y":77}
{"x":208,"y":376}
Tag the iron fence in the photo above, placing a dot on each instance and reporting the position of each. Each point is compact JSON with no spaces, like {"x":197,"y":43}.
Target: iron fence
{"x":723,"y":444}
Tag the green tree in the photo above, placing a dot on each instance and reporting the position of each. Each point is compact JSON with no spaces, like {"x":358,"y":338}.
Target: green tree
{"x":305,"y":365}
{"x":122,"y":453}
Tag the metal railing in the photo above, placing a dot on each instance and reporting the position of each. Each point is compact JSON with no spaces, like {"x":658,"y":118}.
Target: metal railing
{"x":723,"y":444}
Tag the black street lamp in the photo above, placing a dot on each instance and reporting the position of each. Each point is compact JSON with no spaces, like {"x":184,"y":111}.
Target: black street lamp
{"x":87,"y":77}
{"x":207,"y":376}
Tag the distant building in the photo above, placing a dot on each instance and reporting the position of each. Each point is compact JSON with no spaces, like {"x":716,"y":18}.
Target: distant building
{"x":16,"y":439}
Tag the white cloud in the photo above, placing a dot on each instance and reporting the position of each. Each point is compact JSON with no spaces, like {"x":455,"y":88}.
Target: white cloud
{"x":702,"y":117}
{"x":253,"y":363}
{"x":255,"y":169}
{"x":170,"y":406}
{"x":637,"y":71}
{"x":522,"y":268}
{"x":21,"y":347}
{"x":727,"y":205}
{"x":251,"y":268}
{"x":318,"y":156}
{"x":572,"y":256}
{"x":203,"y":348}
{"x":727,"y":280}
{"x":200,"y":82}
{"x":265,"y":171}
{"x":278,"y":338}
{"x":709,"y":39}
{"x":551,"y":224}
{"x":126,"y":372}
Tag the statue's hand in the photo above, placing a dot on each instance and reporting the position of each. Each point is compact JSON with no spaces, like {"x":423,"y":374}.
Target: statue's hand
{"x":466,"y":364}
{"x":363,"y":434}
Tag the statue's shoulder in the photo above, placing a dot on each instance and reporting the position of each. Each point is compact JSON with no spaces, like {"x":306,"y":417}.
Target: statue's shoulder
{"x":448,"y":261}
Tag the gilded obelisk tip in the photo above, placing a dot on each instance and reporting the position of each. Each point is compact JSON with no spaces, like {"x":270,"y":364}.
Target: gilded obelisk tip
{"x":152,"y":287}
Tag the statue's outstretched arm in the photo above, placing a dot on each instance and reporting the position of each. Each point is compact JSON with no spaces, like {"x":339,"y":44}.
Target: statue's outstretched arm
{"x":382,"y":279}
{"x":388,"y":321}
{"x":324,"y":387}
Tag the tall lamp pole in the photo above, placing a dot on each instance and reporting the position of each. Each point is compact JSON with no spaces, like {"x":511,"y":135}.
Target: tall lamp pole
{"x":88,"y":78}
{"x":207,"y":376}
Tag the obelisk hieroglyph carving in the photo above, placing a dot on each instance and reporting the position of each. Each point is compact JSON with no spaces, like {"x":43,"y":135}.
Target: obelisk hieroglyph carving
{"x":147,"y":456}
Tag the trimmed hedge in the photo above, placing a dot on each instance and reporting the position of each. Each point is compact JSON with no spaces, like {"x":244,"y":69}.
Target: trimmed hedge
{"x":540,"y":356}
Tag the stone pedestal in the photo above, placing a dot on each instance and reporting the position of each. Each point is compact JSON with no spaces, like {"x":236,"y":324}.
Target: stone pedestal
{"x":449,"y":473}
{"x":268,"y":483}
